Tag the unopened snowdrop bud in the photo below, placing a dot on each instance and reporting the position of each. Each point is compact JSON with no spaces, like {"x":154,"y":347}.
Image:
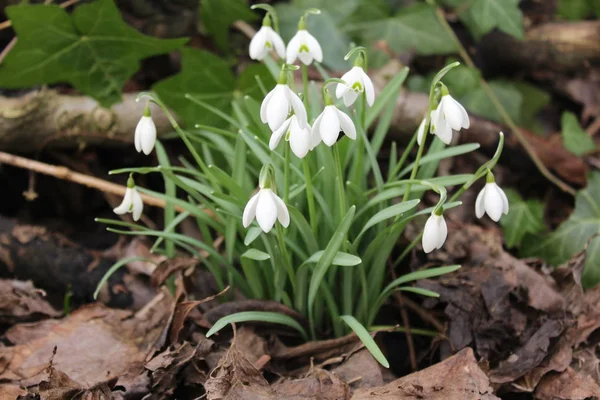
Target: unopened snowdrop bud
{"x":265,"y":205}
{"x":304,"y":46}
{"x":434,"y":233}
{"x":327,"y":126}
{"x":491,"y":200}
{"x":265,"y":40}
{"x":421,"y":132}
{"x":357,"y":81}
{"x":132,"y":202}
{"x":450,"y":115}
{"x":279,"y":102}
{"x":299,"y":138}
{"x":145,"y":133}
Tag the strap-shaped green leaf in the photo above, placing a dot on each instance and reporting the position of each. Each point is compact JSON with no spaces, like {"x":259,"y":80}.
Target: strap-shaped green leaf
{"x":366,"y":338}
{"x":257,"y":316}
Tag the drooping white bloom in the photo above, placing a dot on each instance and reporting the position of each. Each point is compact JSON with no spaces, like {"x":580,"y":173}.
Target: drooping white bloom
{"x":277,"y":105}
{"x":299,"y":138}
{"x":145,"y":135}
{"x":267,"y":207}
{"x":265,"y":40}
{"x":327,"y":126}
{"x":421,"y":132}
{"x":357,"y":81}
{"x":450,"y":115}
{"x":434,"y":233}
{"x":132,"y":203}
{"x":305,"y":47}
{"x":491,"y":200}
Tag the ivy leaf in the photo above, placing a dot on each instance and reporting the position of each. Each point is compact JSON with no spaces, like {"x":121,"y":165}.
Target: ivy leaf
{"x":575,"y":139}
{"x":92,"y":49}
{"x":575,"y":10}
{"x":462,"y":79}
{"x":574,"y":234}
{"x":523,"y":217}
{"x":415,"y":28}
{"x":479,"y":103}
{"x":481,"y":16}
{"x":218,"y":15}
{"x":248,"y":83}
{"x":206,"y":77}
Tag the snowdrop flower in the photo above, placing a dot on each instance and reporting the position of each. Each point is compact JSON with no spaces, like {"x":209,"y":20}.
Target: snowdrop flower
{"x":421,"y":132}
{"x":145,"y":133}
{"x":491,"y":200}
{"x":357,"y":81}
{"x":279,"y":102}
{"x":327,"y":126}
{"x":266,"y":206}
{"x":132,"y":202}
{"x":434,"y":233}
{"x":265,"y":40}
{"x":304,"y":46}
{"x":450,"y":115}
{"x":299,"y":138}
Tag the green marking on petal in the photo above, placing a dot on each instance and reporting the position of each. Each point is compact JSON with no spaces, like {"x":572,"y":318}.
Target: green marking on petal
{"x":268,"y":45}
{"x":357,"y":87}
{"x":304,"y":48}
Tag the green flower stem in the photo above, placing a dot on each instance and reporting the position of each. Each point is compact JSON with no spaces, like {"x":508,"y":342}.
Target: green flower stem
{"x":286,"y":258}
{"x":360,"y":142}
{"x":286,"y":175}
{"x":340,"y":181}
{"x":403,"y":158}
{"x":310,"y":198}
{"x":502,"y":111}
{"x":415,"y":169}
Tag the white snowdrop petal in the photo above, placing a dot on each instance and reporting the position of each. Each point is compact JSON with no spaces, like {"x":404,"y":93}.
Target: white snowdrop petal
{"x":479,"y":206}
{"x":314,"y":47}
{"x":293,"y":48}
{"x":277,"y":43}
{"x":250,"y":210}
{"x":368,"y":87}
{"x":493,"y":202}
{"x":266,"y":210}
{"x":430,"y":238}
{"x":300,"y":140}
{"x":347,"y":125}
{"x":350,"y":97}
{"x":126,"y":204}
{"x":297,"y":106}
{"x":278,"y":134}
{"x":137,"y":141}
{"x":138,"y":205}
{"x":443,"y":231}
{"x":283,"y":214}
{"x":257,"y":44}
{"x":342,"y":89}
{"x":265,"y":105}
{"x":466,"y":123}
{"x":278,"y":107}
{"x":305,"y":57}
{"x":148,"y":136}
{"x":452,"y":112}
{"x":330,"y":126}
{"x":444,"y":132}
{"x":504,"y":200}
{"x":421,"y":132}
{"x":316,"y":134}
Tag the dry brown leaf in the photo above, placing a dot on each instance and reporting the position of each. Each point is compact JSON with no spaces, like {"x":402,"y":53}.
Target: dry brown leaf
{"x":457,"y":377}
{"x":20,"y":302}
{"x":568,"y":385}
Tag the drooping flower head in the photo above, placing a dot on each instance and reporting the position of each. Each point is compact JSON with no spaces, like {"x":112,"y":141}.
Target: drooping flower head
{"x":448,"y":116}
{"x":265,"y":205}
{"x":491,"y":200}
{"x":330,"y":122}
{"x":356,"y":81}
{"x":145,"y":133}
{"x":303,"y":45}
{"x":132,"y":202}
{"x":279,"y":102}
{"x":299,"y":138}
{"x":265,"y":40}
{"x":434,"y":232}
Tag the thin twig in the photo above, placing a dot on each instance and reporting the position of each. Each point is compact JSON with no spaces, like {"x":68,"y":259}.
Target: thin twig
{"x":505,"y":116}
{"x":412,"y":355}
{"x":423,"y":314}
{"x":64,"y":173}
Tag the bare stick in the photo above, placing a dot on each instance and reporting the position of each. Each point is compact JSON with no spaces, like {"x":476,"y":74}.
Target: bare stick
{"x":64,"y":173}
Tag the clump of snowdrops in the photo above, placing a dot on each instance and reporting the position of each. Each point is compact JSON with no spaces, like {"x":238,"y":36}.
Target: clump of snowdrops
{"x":294,"y":189}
